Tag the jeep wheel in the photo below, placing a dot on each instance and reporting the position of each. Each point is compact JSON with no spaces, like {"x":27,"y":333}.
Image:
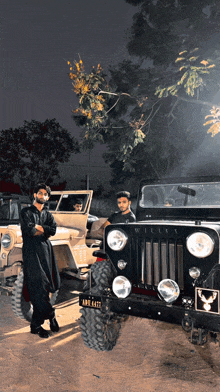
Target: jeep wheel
{"x":99,"y":331}
{"x":101,"y":274}
{"x":21,"y":305}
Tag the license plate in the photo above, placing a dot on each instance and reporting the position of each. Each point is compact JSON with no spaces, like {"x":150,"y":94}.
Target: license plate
{"x":90,"y":301}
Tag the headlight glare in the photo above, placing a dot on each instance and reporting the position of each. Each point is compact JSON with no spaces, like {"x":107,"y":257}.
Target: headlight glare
{"x":6,"y":241}
{"x":116,"y":239}
{"x":200,"y":244}
{"x":121,"y":286}
{"x":169,"y":290}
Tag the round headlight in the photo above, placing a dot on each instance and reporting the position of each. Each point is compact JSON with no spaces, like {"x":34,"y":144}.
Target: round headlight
{"x":121,"y":287}
{"x":200,"y":244}
{"x":169,"y":290}
{"x":116,"y":240}
{"x":6,"y":241}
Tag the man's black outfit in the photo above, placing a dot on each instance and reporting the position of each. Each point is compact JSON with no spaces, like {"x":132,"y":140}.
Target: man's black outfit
{"x":41,"y":273}
{"x":118,"y":217}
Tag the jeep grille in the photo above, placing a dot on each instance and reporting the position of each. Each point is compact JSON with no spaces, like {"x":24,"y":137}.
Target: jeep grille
{"x":157,"y":259}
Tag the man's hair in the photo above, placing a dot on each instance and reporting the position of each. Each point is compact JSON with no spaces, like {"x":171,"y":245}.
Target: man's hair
{"x":77,"y":201}
{"x":42,"y":186}
{"x":123,"y":194}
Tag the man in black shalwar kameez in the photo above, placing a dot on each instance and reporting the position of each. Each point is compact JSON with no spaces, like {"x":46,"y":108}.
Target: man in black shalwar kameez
{"x":41,"y":274}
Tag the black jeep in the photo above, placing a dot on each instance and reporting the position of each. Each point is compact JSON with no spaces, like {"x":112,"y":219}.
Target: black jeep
{"x":164,"y":267}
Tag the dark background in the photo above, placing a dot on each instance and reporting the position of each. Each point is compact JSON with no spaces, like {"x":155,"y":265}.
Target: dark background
{"x":37,"y":37}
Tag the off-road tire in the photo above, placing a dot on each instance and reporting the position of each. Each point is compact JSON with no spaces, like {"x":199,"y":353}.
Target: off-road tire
{"x":20,"y":306}
{"x":102,"y":275}
{"x":99,"y":330}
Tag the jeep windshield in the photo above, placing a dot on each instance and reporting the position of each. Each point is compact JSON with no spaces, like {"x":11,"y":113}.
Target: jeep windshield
{"x":181,"y":200}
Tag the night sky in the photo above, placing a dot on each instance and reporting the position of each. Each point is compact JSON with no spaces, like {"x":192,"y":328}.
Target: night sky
{"x":37,"y":39}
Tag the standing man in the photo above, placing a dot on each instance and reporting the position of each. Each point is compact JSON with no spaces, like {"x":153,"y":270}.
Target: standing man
{"x":41,"y":274}
{"x":125,"y":215}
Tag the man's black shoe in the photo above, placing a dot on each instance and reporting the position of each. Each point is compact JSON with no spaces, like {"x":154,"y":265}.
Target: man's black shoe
{"x":54,"y":326}
{"x":40,"y":331}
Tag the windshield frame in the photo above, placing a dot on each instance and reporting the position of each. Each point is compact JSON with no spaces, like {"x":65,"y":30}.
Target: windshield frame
{"x":183,"y":212}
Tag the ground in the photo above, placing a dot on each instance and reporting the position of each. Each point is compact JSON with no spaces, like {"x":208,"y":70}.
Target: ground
{"x":150,"y":356}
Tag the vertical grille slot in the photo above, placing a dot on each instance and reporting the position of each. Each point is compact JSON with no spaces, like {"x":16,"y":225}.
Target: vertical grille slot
{"x":156,"y":263}
{"x":160,"y":259}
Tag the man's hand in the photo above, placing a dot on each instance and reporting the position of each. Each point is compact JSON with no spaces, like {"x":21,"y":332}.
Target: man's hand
{"x":40,"y":230}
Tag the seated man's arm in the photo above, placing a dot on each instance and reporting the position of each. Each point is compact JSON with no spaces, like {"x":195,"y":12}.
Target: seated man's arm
{"x":105,"y":224}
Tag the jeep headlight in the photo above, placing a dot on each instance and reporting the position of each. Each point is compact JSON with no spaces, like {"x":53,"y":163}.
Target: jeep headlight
{"x":6,"y":241}
{"x":169,"y":290}
{"x":116,"y":239}
{"x":200,"y":244}
{"x":121,"y":286}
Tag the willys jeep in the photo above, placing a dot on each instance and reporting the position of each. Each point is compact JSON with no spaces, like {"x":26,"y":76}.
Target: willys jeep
{"x":163,"y":267}
{"x":73,"y":244}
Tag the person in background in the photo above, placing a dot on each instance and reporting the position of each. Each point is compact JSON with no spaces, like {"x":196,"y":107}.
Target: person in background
{"x":77,"y":204}
{"x":41,"y":274}
{"x":124,"y":215}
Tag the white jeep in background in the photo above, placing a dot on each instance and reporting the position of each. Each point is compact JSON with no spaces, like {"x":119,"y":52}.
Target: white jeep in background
{"x":73,"y":244}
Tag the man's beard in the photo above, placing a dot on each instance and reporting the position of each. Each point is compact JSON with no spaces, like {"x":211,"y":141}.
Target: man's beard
{"x":40,"y":201}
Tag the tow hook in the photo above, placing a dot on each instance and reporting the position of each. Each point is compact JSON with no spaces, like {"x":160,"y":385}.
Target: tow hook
{"x":199,"y":336}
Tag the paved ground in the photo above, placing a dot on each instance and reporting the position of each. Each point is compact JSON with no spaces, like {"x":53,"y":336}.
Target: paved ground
{"x":150,"y":356}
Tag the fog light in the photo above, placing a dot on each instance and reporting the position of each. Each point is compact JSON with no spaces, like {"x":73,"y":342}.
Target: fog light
{"x":169,"y":290}
{"x":194,"y":272}
{"x":3,"y":255}
{"x":121,"y":287}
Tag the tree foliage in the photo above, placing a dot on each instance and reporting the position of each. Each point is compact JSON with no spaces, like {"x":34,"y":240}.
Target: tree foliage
{"x":32,"y":153}
{"x":153,"y":106}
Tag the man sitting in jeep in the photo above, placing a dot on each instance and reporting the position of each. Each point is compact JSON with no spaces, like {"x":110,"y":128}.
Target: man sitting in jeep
{"x":77,"y":206}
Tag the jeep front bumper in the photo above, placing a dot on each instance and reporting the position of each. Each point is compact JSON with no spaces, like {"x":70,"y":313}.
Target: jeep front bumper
{"x":153,"y":308}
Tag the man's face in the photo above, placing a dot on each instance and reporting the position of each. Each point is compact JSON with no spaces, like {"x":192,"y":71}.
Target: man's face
{"x":123,"y":204}
{"x":78,"y":207}
{"x":41,"y":196}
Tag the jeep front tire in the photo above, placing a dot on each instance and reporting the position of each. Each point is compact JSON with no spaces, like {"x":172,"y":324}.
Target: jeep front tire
{"x":100,"y":329}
